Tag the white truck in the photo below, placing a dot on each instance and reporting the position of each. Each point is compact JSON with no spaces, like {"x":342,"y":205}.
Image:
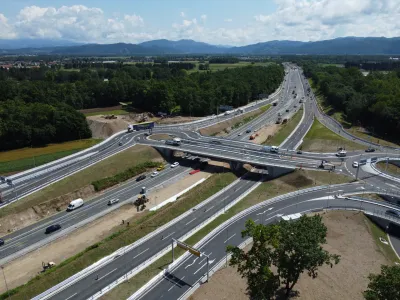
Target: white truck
{"x":75,"y":204}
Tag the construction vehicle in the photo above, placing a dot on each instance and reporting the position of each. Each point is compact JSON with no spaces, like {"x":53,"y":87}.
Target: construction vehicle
{"x":141,"y":201}
{"x":279,"y":120}
{"x":110,"y":117}
{"x":253,"y":136}
{"x":47,"y":266}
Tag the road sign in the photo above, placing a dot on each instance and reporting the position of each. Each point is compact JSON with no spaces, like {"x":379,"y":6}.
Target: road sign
{"x":188,"y":248}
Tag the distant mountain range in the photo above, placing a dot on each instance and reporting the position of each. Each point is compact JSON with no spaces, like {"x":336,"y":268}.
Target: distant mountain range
{"x":339,"y":46}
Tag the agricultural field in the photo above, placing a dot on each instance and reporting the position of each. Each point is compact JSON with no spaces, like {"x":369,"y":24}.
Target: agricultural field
{"x":26,"y":158}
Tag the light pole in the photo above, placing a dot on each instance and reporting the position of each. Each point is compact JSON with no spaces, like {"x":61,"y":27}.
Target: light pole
{"x":4,"y":275}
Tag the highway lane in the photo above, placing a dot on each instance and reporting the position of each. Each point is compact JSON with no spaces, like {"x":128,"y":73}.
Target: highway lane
{"x":88,"y":286}
{"x":176,"y":283}
{"x":34,"y":234}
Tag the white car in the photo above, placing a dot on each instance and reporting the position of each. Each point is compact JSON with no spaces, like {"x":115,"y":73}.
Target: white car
{"x":154,"y":174}
{"x":239,"y":134}
{"x":175,"y":164}
{"x":355,"y":164}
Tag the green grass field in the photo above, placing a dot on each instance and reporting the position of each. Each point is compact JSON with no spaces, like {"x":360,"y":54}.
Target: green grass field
{"x":139,"y":227}
{"x":220,"y":67}
{"x":391,"y":168}
{"x":26,"y":158}
{"x":321,"y":139}
{"x":285,"y":130}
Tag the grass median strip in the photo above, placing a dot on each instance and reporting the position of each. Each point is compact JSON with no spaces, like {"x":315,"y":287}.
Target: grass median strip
{"x":285,"y":130}
{"x":297,"y":180}
{"x":388,"y":168}
{"x":26,"y":158}
{"x":138,"y":228}
{"x":321,"y":139}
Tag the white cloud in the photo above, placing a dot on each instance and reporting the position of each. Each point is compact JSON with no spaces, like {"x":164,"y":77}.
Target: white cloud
{"x":293,"y":19}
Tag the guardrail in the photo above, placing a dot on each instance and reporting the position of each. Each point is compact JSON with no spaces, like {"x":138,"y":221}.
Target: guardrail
{"x":71,"y":280}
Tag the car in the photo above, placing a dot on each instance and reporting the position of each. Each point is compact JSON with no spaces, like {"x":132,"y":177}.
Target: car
{"x":393,"y":213}
{"x":146,"y":134}
{"x":160,"y":168}
{"x":370,"y":150}
{"x":287,"y":110}
{"x":175,"y":164}
{"x":112,"y":201}
{"x":141,"y":177}
{"x":239,"y":134}
{"x":1,"y":242}
{"x":120,"y":143}
{"x":355,"y":164}
{"x":299,"y":152}
{"x":154,"y":174}
{"x":53,"y":228}
{"x":248,"y":130}
{"x":216,"y":142}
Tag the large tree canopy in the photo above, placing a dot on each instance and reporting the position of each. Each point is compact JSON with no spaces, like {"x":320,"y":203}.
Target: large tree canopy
{"x":292,"y":247}
{"x":384,"y":286}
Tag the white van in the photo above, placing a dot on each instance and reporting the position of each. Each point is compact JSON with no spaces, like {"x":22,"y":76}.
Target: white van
{"x":112,"y":201}
{"x":274,"y":149}
{"x":75,"y":204}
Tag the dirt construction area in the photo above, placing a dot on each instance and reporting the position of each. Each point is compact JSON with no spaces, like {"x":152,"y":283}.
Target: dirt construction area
{"x":25,"y":268}
{"x":263,"y":134}
{"x":348,"y":235}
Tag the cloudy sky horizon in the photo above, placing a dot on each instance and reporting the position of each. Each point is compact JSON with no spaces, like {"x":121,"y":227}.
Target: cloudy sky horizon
{"x":222,"y":22}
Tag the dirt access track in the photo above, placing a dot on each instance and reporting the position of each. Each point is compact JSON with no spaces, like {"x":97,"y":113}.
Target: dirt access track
{"x":25,"y":268}
{"x":348,"y":235}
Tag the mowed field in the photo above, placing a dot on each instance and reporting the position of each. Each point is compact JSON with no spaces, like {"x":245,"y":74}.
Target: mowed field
{"x":22,"y":159}
{"x":220,"y":67}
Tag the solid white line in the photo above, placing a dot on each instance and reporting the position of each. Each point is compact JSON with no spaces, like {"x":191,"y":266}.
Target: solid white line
{"x":107,"y":274}
{"x":71,"y":296}
{"x":168,"y":235}
{"x":141,"y":253}
{"x":229,"y":238}
{"x":200,"y":268}
{"x":207,"y":209}
{"x":256,"y":220}
{"x":190,"y":221}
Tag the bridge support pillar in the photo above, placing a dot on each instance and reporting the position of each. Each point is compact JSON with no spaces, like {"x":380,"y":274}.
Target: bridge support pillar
{"x":278,"y":171}
{"x":166,"y":153}
{"x":235,"y":165}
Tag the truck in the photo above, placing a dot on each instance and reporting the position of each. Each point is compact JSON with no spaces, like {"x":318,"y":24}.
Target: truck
{"x":74,"y":204}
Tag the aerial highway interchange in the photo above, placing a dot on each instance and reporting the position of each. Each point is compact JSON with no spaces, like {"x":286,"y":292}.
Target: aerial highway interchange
{"x":233,"y":148}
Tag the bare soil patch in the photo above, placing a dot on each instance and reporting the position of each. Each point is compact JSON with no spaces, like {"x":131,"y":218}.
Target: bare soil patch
{"x":20,"y":271}
{"x":265,"y":132}
{"x":348,"y":235}
{"x":100,"y":109}
{"x":177,"y":120}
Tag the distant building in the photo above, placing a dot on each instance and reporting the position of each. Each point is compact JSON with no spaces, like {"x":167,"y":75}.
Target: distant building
{"x":109,"y":62}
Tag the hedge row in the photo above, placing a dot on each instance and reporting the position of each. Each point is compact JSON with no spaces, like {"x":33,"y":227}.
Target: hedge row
{"x":106,"y":182}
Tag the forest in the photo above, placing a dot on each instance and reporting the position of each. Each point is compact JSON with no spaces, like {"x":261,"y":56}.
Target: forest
{"x":372,"y":101}
{"x":38,"y":105}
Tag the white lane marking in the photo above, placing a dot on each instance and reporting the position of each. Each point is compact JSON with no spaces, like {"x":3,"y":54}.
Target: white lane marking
{"x":205,"y":258}
{"x":229,"y":238}
{"x":190,"y":221}
{"x":207,"y":209}
{"x":107,"y":274}
{"x":168,"y":235}
{"x":200,"y":268}
{"x":141,"y":253}
{"x":192,"y":263}
{"x":256,"y":220}
{"x":175,"y":284}
{"x":71,"y":296}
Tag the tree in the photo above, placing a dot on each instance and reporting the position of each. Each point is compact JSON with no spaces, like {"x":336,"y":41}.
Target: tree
{"x":292,"y":247}
{"x":384,"y":286}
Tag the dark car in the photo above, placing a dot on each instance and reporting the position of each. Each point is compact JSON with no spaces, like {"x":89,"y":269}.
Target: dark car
{"x":53,"y":228}
{"x":393,"y":213}
{"x":370,"y":150}
{"x":216,"y":142}
{"x":299,"y":152}
{"x":141,"y":177}
{"x":1,"y":242}
{"x":248,"y":130}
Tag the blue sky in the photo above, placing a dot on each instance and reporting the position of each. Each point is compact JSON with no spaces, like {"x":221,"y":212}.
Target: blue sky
{"x":232,"y":22}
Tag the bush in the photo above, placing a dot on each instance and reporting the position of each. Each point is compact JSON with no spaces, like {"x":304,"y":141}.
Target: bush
{"x":107,"y":182}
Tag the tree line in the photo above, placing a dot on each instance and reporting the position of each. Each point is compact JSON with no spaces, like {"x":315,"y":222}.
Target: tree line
{"x":372,"y":101}
{"x":38,"y":105}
